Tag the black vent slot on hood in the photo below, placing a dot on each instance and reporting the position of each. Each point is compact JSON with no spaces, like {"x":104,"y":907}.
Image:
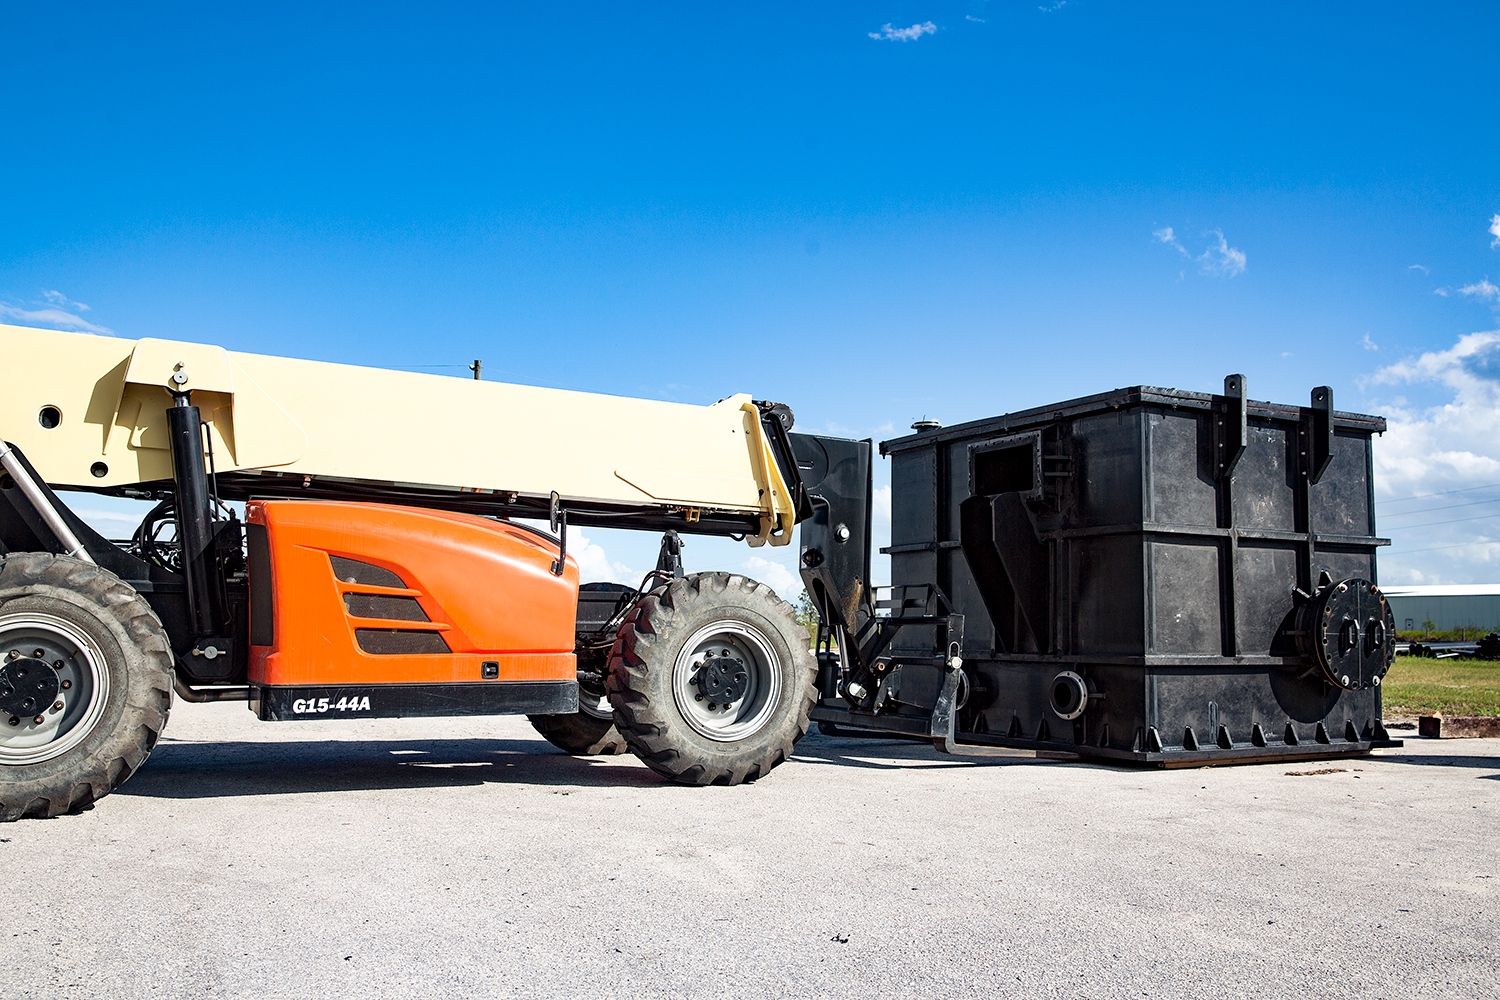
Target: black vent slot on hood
{"x":388,"y":606}
{"x":399,"y":642}
{"x":364,"y":574}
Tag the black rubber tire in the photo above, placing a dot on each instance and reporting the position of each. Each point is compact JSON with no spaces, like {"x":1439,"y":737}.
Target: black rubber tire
{"x":137,"y":658}
{"x":641,"y":683}
{"x":580,"y":734}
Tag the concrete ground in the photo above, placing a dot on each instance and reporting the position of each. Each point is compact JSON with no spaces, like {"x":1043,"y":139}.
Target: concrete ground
{"x":463,"y":858}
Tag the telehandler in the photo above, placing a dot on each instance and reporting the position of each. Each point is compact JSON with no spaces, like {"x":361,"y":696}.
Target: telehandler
{"x":380,"y":568}
{"x":1147,"y":576}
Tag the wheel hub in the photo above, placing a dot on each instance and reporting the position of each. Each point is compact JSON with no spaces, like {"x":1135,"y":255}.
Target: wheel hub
{"x":722,"y":677}
{"x":53,"y":686}
{"x":726,"y":681}
{"x":28,"y":683}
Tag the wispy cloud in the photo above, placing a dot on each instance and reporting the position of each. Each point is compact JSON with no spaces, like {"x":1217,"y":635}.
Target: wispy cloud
{"x":976,"y":20}
{"x":1223,"y":258}
{"x":61,"y":314}
{"x":1482,"y":290}
{"x":1495,"y":232}
{"x":1057,"y":5}
{"x":1369,"y":344}
{"x":916,"y":31}
{"x":62,"y":301}
{"x":1218,"y":260}
{"x":1417,"y":267}
{"x":1166,"y":236}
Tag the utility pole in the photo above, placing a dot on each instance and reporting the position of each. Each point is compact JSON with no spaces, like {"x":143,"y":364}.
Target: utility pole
{"x":475,"y":369}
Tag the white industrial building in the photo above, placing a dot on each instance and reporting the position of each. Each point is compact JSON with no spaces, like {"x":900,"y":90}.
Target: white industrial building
{"x":1474,"y":606}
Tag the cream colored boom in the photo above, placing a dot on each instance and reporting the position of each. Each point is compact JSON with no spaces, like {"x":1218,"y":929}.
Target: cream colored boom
{"x":108,"y":400}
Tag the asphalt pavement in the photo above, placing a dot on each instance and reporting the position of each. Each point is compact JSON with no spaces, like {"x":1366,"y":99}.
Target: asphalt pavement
{"x":467,"y":858}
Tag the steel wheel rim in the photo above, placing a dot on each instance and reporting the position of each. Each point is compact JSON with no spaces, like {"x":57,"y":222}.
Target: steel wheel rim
{"x":83,"y":668}
{"x":746,"y":715}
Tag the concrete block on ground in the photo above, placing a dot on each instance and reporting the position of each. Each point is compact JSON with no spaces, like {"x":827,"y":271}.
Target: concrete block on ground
{"x":1458,"y":726}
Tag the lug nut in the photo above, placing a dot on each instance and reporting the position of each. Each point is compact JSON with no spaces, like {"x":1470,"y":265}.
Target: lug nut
{"x":39,"y":720}
{"x":57,"y":664}
{"x":38,"y":653}
{"x":66,"y":685}
{"x":13,"y":655}
{"x":57,"y":706}
{"x":14,"y":721}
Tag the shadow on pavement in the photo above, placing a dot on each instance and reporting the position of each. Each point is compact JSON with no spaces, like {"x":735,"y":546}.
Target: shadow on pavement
{"x":884,"y":754}
{"x":186,"y":770}
{"x":182,"y":770}
{"x":1443,"y":760}
{"x":211,"y":770}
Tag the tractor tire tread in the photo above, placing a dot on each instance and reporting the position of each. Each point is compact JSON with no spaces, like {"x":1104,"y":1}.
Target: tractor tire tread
{"x":580,"y":734}
{"x":649,"y":724}
{"x":81,"y":776}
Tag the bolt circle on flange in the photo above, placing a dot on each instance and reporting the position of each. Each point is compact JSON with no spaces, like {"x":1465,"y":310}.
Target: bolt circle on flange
{"x":722,"y":677}
{"x":726,"y":682}
{"x":26,"y":685}
{"x":60,"y":657}
{"x":1353,"y":637}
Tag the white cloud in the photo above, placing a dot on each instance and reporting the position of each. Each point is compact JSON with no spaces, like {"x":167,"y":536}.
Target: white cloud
{"x":594,"y":564}
{"x":1440,"y":291}
{"x":880,"y":536}
{"x":1219,"y":259}
{"x":1453,"y":444}
{"x":1058,"y":5}
{"x":976,"y":20}
{"x":880,"y":506}
{"x":916,"y":31}
{"x":1369,"y":344}
{"x":59,"y":299}
{"x":1166,"y":236}
{"x":53,"y":318}
{"x":1481,"y":290}
{"x":1417,"y":267}
{"x":1222,"y":259}
{"x":1495,"y":231}
{"x":1453,"y":367}
{"x":774,"y":575}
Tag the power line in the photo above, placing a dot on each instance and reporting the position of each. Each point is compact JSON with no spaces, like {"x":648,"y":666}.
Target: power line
{"x":1451,"y":506}
{"x":1424,"y":496}
{"x":1434,"y":548}
{"x":1456,"y":520}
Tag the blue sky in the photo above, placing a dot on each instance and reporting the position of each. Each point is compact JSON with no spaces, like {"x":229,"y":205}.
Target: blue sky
{"x":874,"y":212}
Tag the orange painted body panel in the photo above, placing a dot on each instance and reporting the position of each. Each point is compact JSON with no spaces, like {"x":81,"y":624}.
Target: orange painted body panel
{"x":484,"y":586}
